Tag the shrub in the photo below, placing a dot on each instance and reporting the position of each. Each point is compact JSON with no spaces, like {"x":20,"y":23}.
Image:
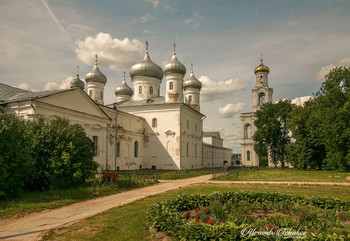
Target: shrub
{"x":16,"y":163}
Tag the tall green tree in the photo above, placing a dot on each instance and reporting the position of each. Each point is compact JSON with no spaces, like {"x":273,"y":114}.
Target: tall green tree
{"x":333,"y":115}
{"x":16,"y":163}
{"x":63,"y":155}
{"x":306,"y":150}
{"x":272,"y":125}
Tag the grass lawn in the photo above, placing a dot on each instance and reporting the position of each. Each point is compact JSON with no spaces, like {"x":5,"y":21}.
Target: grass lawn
{"x":38,"y":201}
{"x":287,"y":174}
{"x":127,"y":222}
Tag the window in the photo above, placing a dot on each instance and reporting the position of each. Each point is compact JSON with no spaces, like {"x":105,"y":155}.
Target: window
{"x":140,"y":90}
{"x":101,"y":95}
{"x":118,"y":149}
{"x":261,"y":98}
{"x":248,"y":155}
{"x":188,"y":124}
{"x":195,"y":150}
{"x":158,"y":92}
{"x":188,"y":146}
{"x":171,"y":85}
{"x":136,"y":149}
{"x":190,"y":99}
{"x":247,"y":131}
{"x":154,"y":122}
{"x":90,"y":93}
{"x":95,"y":141}
{"x":151,"y":90}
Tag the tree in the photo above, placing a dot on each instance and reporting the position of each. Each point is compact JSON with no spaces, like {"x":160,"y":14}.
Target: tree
{"x":63,"y":154}
{"x":333,"y":115}
{"x":272,"y":132}
{"x":15,"y":155}
{"x":305,"y":151}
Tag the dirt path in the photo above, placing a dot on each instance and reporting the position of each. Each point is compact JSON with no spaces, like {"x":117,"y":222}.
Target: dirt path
{"x":31,"y":226}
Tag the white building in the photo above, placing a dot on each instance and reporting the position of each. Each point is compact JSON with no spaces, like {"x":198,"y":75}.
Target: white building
{"x":261,"y":94}
{"x":141,"y":129}
{"x":215,"y":154}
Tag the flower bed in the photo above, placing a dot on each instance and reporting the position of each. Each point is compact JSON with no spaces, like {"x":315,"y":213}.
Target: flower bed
{"x":249,"y":216}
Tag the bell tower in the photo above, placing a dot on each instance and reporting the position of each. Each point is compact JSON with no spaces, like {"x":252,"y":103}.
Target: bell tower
{"x":261,"y":93}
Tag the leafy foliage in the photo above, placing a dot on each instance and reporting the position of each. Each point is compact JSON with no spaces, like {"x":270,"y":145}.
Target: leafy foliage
{"x":16,"y":162}
{"x":320,"y":216}
{"x":42,"y":155}
{"x":272,"y":125}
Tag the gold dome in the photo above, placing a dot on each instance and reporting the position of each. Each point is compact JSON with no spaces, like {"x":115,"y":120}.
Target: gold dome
{"x":262,"y":67}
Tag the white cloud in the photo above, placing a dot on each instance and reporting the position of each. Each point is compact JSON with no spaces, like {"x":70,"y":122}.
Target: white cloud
{"x":230,"y":110}
{"x":25,"y":86}
{"x":145,"y":18}
{"x":326,"y":69}
{"x":213,"y":90}
{"x":112,"y":53}
{"x":155,"y":3}
{"x":187,"y":21}
{"x":65,"y":84}
{"x":301,"y":100}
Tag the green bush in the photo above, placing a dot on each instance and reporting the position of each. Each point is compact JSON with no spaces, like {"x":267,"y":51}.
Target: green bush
{"x":167,"y":216}
{"x":16,"y":162}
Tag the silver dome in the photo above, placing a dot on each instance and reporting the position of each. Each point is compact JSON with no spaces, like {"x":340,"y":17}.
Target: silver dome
{"x":174,"y":66}
{"x":95,"y":75}
{"x":123,"y":89}
{"x":192,"y":81}
{"x":146,"y":68}
{"x":77,"y":83}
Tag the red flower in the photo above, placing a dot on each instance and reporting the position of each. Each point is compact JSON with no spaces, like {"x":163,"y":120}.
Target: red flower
{"x":197,"y":210}
{"x":342,"y":220}
{"x":196,"y":219}
{"x":341,"y":215}
{"x":270,"y":226}
{"x":208,"y":222}
{"x":214,"y":223}
{"x":186,"y":215}
{"x":331,"y":229}
{"x":314,"y":229}
{"x":206,"y":212}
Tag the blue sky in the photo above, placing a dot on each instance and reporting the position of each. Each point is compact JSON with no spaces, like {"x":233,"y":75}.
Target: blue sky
{"x":42,"y":41}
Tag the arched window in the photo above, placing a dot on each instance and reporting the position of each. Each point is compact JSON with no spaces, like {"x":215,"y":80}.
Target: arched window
{"x":187,"y":149}
{"x":171,"y":85}
{"x":247,"y":131}
{"x":136,"y":149}
{"x":261,"y":98}
{"x":118,"y":149}
{"x":154,"y":122}
{"x":151,"y":90}
{"x":90,"y":93}
{"x":101,"y":95}
{"x":248,"y":155}
{"x":190,"y":99}
{"x":140,"y":89}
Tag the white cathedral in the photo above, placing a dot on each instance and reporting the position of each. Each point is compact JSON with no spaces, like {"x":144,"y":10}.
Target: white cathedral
{"x":141,"y":130}
{"x":262,"y":93}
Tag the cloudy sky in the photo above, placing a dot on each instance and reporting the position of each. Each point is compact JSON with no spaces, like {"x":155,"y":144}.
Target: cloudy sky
{"x":42,"y":41}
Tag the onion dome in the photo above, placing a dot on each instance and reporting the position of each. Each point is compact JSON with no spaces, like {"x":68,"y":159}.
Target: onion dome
{"x":192,"y":81}
{"x":95,"y":75}
{"x":174,"y":66}
{"x":146,"y":68}
{"x":262,"y":67}
{"x":123,"y":89}
{"x":77,"y":83}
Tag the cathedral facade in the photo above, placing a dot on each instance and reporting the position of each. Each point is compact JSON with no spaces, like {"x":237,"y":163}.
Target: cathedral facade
{"x":262,"y":93}
{"x":141,"y":129}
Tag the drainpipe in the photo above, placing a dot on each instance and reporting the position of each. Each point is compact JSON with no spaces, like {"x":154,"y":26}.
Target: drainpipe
{"x":34,"y":110}
{"x":202,"y":140}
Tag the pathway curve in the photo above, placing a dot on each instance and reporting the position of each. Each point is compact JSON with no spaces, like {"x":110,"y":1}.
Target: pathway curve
{"x":30,"y":227}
